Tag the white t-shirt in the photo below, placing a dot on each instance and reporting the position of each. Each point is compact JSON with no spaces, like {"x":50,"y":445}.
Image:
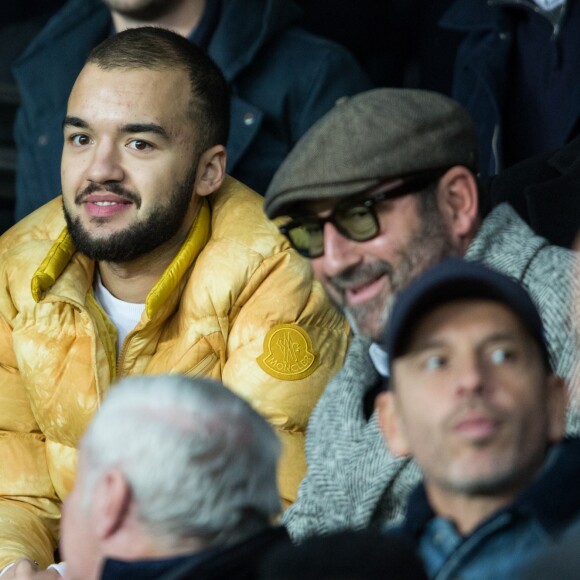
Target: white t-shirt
{"x":124,"y":315}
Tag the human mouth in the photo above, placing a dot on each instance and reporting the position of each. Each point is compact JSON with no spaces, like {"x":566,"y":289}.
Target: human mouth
{"x":356,"y":295}
{"x":105,"y":205}
{"x":477,"y":427}
{"x":361,"y":283}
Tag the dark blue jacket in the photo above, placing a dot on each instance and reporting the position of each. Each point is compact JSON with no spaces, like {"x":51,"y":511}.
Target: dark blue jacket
{"x":510,"y":537}
{"x":282,"y":80}
{"x":545,"y":191}
{"x":482,"y":75}
{"x":238,"y":562}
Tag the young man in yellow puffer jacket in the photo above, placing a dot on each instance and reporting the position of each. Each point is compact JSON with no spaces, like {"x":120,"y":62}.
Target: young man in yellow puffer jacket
{"x":161,"y":263}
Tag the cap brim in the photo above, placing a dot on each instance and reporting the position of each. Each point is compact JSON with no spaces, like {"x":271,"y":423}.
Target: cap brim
{"x":281,"y":203}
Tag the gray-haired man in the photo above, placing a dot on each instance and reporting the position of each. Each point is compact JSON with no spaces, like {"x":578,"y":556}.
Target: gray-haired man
{"x":176,"y":476}
{"x":378,"y":190}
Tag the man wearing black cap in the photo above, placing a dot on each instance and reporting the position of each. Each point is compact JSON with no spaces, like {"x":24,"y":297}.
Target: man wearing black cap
{"x":377,"y":191}
{"x":473,"y":399}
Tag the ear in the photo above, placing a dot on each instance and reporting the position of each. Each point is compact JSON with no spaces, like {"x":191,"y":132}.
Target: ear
{"x":457,"y":196}
{"x":557,"y":407}
{"x":111,"y":503}
{"x":390,"y":424}
{"x":211,"y":170}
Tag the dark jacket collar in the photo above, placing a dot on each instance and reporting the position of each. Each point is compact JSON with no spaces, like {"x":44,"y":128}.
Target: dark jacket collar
{"x":472,"y":15}
{"x":234,"y":562}
{"x":65,"y":24}
{"x":468,"y":15}
{"x":552,"y":498}
{"x":237,"y":562}
{"x":255,"y":23}
{"x":149,"y":569}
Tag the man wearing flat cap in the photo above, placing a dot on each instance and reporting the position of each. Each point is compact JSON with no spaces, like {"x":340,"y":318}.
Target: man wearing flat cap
{"x":378,"y":190}
{"x":474,"y":400}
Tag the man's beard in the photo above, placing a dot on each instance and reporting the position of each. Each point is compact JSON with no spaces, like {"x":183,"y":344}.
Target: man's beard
{"x":138,"y":238}
{"x":428,"y":246}
{"x":145,"y":11}
{"x":513,"y":468}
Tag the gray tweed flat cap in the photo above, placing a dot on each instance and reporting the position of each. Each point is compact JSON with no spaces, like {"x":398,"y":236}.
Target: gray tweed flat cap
{"x":369,"y":138}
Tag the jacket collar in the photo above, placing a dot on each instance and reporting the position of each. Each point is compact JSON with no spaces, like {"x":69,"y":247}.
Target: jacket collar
{"x":65,"y":25}
{"x":53,"y":265}
{"x":238,"y":560}
{"x":194,"y":243}
{"x":255,"y":23}
{"x":504,"y":238}
{"x":147,"y":569}
{"x":478,"y":15}
{"x":568,"y":158}
{"x":471,"y":15}
{"x":63,"y":250}
{"x":553,"y":510}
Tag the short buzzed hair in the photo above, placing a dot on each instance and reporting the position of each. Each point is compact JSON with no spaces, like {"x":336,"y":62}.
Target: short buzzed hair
{"x":160,"y":49}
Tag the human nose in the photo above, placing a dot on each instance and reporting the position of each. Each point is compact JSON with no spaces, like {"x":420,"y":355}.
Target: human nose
{"x":340,"y":252}
{"x":471,"y":376}
{"x":105,"y":164}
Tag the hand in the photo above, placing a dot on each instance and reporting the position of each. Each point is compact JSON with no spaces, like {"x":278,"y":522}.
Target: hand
{"x":26,"y":569}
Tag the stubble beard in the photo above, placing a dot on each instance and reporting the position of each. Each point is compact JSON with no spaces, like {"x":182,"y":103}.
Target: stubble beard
{"x":512,"y":469}
{"x":140,"y":237}
{"x":145,"y":10}
{"x":505,"y":479}
{"x":510,"y":474}
{"x":428,"y":246}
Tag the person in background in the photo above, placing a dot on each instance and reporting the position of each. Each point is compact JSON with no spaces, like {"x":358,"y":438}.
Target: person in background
{"x":516,"y":73}
{"x":282,"y":79}
{"x":159,"y":263}
{"x":190,"y":493}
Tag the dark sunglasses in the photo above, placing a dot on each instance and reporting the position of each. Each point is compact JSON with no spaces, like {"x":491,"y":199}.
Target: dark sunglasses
{"x":355,"y":219}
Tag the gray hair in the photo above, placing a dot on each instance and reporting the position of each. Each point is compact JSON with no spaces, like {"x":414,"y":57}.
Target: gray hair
{"x":200,"y":461}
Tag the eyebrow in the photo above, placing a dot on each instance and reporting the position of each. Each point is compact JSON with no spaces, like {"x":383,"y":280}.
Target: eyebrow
{"x":129,"y":128}
{"x":144,"y":128}
{"x":74,"y":122}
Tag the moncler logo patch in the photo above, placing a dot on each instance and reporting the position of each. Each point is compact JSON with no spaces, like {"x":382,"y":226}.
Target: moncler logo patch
{"x":288,"y":353}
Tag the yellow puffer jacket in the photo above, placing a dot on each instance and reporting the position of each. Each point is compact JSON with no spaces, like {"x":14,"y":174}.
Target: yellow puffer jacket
{"x":236,"y":303}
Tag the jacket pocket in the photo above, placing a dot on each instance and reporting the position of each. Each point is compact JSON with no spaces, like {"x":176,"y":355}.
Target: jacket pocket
{"x":203,"y":366}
